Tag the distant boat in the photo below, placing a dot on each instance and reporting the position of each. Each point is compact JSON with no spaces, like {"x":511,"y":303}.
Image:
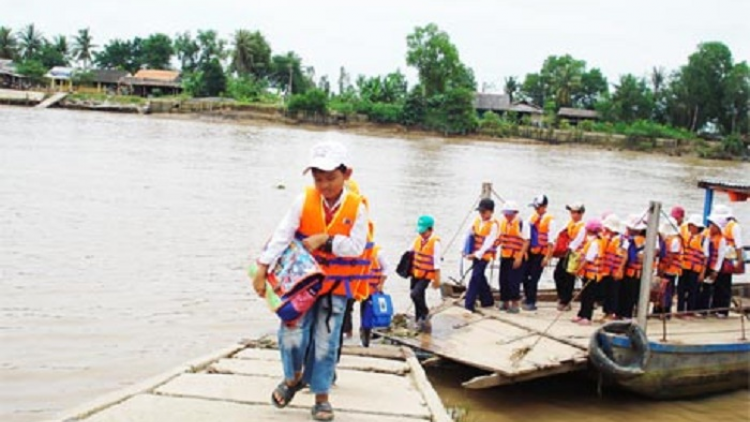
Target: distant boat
{"x":715,"y":359}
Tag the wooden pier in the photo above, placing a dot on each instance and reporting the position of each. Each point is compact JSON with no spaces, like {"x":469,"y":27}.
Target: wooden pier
{"x":381,"y":383}
{"x":509,"y":347}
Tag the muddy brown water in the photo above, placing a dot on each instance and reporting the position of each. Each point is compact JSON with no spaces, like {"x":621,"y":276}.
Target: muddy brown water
{"x":124,"y":242}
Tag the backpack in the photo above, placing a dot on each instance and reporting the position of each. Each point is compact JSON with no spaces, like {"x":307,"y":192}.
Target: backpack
{"x":404,"y":266}
{"x":377,"y":311}
{"x":294,"y":283}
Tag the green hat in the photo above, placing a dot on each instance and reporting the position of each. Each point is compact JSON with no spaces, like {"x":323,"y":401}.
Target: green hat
{"x":424,"y":223}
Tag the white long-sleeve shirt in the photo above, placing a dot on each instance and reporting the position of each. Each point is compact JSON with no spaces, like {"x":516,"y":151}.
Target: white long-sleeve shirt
{"x":347,"y":246}
{"x":488,"y":241}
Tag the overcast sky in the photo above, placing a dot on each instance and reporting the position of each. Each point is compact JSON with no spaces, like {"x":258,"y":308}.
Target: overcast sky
{"x":496,"y":38}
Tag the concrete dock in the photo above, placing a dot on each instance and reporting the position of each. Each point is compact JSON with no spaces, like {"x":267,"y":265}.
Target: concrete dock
{"x":381,"y":383}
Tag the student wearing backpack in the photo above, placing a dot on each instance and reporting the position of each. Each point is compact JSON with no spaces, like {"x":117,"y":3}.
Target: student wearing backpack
{"x":425,"y":269}
{"x":332,"y":222}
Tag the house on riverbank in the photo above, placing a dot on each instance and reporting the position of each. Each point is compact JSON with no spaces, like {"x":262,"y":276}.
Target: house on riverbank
{"x":501,"y":105}
{"x":9,"y":76}
{"x":149,"y":82}
{"x":576,"y":115}
{"x":61,"y":78}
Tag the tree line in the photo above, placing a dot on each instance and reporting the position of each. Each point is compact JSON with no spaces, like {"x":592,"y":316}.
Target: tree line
{"x":711,"y":92}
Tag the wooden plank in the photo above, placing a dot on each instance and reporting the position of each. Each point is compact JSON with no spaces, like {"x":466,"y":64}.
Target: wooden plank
{"x":490,"y":344}
{"x":357,"y":363}
{"x":496,"y":379}
{"x":154,"y":408}
{"x":354,"y":391}
{"x":434,"y":404}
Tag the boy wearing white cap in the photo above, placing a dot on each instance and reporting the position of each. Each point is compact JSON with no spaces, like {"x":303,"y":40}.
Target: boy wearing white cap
{"x":693,"y":265}
{"x":716,"y":250}
{"x":514,"y":243}
{"x":541,"y":226}
{"x":575,"y":233}
{"x":733,"y":260}
{"x":332,"y":223}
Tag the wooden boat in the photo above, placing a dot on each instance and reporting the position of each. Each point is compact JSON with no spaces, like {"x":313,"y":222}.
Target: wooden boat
{"x":705,"y":362}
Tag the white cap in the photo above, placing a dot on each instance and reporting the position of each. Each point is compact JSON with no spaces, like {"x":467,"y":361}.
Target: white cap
{"x":668,"y":227}
{"x":720,"y":220}
{"x":327,"y":156}
{"x":696,"y":220}
{"x":722,"y":210}
{"x":635,"y":222}
{"x":509,"y":206}
{"x":612,"y":223}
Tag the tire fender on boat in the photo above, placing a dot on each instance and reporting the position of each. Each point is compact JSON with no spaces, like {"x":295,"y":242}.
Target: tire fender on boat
{"x":602,"y":356}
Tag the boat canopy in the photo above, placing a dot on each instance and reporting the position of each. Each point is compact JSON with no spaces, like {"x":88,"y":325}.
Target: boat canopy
{"x":738,"y":191}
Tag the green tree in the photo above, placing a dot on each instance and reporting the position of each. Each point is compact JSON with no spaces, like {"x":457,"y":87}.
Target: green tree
{"x":208,"y":81}
{"x":436,"y":59}
{"x":286,"y":72}
{"x":563,"y":78}
{"x":534,"y":89}
{"x":511,"y":87}
{"x":210,"y":47}
{"x":736,"y":100}
{"x":593,"y":87}
{"x":251,"y":53}
{"x":52,"y":54}
{"x":30,"y":41}
{"x":8,"y":44}
{"x":118,"y":54}
{"x":83,"y":46}
{"x":187,"y":50}
{"x":33,"y":69}
{"x":345,"y":84}
{"x":156,"y":52}
{"x":703,"y":79}
{"x":632,"y":100}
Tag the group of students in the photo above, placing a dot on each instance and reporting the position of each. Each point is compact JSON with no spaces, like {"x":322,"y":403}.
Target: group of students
{"x":331,"y":219}
{"x":694,"y":260}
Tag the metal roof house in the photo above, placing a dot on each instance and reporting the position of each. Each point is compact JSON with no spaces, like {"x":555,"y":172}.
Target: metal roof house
{"x":150,"y":82}
{"x":501,"y":104}
{"x":575,"y":115}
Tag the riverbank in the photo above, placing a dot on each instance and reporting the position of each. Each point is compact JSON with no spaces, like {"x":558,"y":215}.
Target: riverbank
{"x":217,"y":109}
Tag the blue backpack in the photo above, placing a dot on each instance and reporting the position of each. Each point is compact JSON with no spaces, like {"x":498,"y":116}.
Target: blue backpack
{"x":378,"y":311}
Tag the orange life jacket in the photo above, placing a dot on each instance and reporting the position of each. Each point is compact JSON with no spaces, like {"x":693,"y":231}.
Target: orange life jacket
{"x":481,"y":230}
{"x":635,"y":260}
{"x":671,"y":262}
{"x":693,"y":258}
{"x":510,"y":237}
{"x":713,"y":249}
{"x":614,"y":256}
{"x":539,"y":241}
{"x":591,"y":270}
{"x":375,"y":273}
{"x":345,"y":276}
{"x":424,"y":257}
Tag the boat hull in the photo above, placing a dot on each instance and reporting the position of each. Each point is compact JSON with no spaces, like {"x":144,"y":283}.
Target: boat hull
{"x":675,"y":370}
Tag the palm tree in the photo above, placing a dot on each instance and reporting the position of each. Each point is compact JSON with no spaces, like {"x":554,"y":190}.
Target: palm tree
{"x":30,"y":41}
{"x":60,"y":43}
{"x":8,"y":44}
{"x":242,"y":55}
{"x":511,"y":87}
{"x":83,"y":46}
{"x":657,"y":79}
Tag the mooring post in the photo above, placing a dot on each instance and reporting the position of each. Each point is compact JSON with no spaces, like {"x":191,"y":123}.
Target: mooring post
{"x":652,"y":229}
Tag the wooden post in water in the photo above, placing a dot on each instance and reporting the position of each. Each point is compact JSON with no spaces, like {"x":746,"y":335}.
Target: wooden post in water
{"x":654,"y":209}
{"x":486,"y":190}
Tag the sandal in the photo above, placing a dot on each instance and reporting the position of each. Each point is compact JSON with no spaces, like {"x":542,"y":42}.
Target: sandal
{"x":285,"y":392}
{"x":322,"y":411}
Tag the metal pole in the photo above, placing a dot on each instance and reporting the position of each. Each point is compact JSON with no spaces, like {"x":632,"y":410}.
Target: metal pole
{"x":654,"y":209}
{"x":707,"y":204}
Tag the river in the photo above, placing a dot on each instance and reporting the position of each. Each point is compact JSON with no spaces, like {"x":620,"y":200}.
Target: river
{"x":124,"y":242}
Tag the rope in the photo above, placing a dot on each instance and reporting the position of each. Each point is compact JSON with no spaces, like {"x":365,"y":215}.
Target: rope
{"x":498,"y":196}
{"x":453,"y":239}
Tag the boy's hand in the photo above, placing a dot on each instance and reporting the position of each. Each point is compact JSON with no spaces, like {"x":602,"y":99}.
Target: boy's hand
{"x":259,"y":281}
{"x":517,"y":262}
{"x":436,"y":282}
{"x":315,"y":241}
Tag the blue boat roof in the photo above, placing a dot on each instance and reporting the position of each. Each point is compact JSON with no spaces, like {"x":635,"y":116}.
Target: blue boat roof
{"x":725,"y":185}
